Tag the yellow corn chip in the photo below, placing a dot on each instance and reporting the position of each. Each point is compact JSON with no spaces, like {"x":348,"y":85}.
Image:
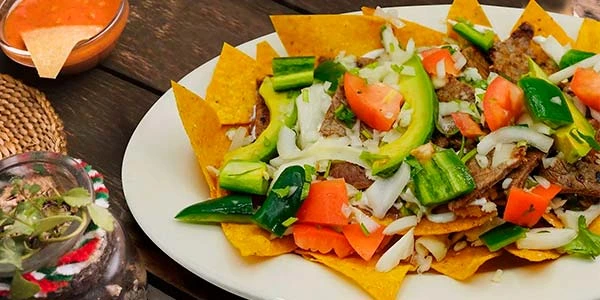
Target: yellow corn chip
{"x":553,"y":220}
{"x":204,"y":131}
{"x":533,"y":255}
{"x":469,"y":10}
{"x":463,"y":264}
{"x":426,"y":227}
{"x":327,"y":35}
{"x":595,"y":226}
{"x":50,"y":47}
{"x":543,"y":24}
{"x":232,"y":89}
{"x":381,"y":286}
{"x":587,"y":38}
{"x":421,"y":35}
{"x":251,"y":240}
{"x":264,"y":58}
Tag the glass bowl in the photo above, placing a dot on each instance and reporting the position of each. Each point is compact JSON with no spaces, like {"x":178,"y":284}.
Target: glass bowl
{"x":66,"y":173}
{"x":86,"y":55}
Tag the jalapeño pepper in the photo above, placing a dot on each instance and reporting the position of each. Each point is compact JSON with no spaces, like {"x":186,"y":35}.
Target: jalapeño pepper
{"x":231,"y":209}
{"x":502,"y":236}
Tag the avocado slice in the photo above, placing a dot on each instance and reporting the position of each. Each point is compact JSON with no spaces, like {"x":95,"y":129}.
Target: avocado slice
{"x":250,"y":177}
{"x":419,"y":93}
{"x":282,"y":110}
{"x":565,"y":138}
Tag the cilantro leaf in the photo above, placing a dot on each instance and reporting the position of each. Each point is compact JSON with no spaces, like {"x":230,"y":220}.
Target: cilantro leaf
{"x":586,"y":244}
{"x":77,"y":197}
{"x":345,"y":115}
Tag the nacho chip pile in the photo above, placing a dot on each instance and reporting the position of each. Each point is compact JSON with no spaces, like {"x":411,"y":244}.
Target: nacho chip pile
{"x":230,"y":101}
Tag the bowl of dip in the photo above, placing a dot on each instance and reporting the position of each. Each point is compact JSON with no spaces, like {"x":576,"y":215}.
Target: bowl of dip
{"x":18,"y":16}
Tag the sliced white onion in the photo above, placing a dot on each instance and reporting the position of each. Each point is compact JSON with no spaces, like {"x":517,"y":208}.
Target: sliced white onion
{"x":595,"y":114}
{"x":482,"y":28}
{"x":459,"y":246}
{"x":506,"y":183}
{"x":312,"y":105}
{"x":401,"y":250}
{"x":446,"y":217}
{"x":502,"y":153}
{"x":482,"y":161}
{"x":557,"y":203}
{"x":542,"y":181}
{"x":388,"y":16}
{"x":513,"y":134}
{"x":409,"y":197}
{"x":436,"y":245}
{"x":286,"y":143}
{"x":389,"y":40}
{"x":570,"y":70}
{"x":548,"y":162}
{"x":408,"y":71}
{"x":459,"y":60}
{"x":546,"y":238}
{"x":551,"y":46}
{"x":440,"y":69}
{"x":361,"y":218}
{"x":497,"y":276}
{"x":346,"y":210}
{"x":383,"y":192}
{"x":237,"y":137}
{"x":580,"y":106}
{"x":570,"y":218}
{"x":400,"y":225}
{"x":374,"y":54}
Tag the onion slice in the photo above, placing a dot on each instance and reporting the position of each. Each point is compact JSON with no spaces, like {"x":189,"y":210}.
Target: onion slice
{"x":436,"y":245}
{"x":401,"y":250}
{"x":546,"y":238}
{"x":570,"y":70}
{"x":400,"y":225}
{"x":513,"y":134}
{"x":383,"y":192}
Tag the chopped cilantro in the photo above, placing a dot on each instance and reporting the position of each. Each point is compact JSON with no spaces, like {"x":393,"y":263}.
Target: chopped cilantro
{"x":345,"y":115}
{"x":586,"y":244}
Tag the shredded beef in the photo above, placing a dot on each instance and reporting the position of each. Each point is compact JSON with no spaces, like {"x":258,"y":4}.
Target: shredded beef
{"x":509,"y":57}
{"x":456,"y":90}
{"x":261,"y":118}
{"x":530,"y":162}
{"x":476,"y":59}
{"x":485,"y":179}
{"x":582,"y":178}
{"x":454,"y":142}
{"x":352,"y":174}
{"x":331,"y":126}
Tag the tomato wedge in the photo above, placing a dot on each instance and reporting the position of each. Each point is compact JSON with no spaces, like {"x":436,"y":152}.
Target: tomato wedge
{"x":433,"y":56}
{"x":586,"y":86}
{"x":503,"y":102}
{"x":364,"y":245}
{"x":467,"y":126}
{"x":549,"y":192}
{"x":378,"y":105}
{"x":525,"y":208}
{"x":324,"y":203}
{"x":321,"y":239}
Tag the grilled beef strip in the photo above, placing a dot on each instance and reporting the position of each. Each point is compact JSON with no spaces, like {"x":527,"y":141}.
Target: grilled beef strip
{"x":455,"y":90}
{"x":352,"y":174}
{"x":509,"y":57}
{"x":331,"y":126}
{"x":477,"y":60}
{"x":581,"y":178}
{"x":261,"y":117}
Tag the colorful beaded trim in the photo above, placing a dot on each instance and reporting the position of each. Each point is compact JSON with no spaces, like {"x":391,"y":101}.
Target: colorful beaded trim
{"x":87,"y":249}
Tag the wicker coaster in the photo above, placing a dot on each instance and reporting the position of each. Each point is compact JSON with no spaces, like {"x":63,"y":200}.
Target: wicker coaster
{"x":27,"y":120}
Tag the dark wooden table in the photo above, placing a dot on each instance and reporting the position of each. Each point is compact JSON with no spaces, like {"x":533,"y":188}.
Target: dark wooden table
{"x":164,"y":40}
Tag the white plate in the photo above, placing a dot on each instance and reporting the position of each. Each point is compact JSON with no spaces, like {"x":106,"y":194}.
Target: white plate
{"x":160,"y":177}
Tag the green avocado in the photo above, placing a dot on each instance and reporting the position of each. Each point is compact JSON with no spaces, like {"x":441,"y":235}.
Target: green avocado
{"x":566,"y":138}
{"x":419,"y":93}
{"x":282,"y":110}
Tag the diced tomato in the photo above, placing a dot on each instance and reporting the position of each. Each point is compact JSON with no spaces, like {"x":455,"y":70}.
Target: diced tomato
{"x":364,"y":245}
{"x":548,"y":193}
{"x":378,"y":105}
{"x":524,"y":208}
{"x":433,"y":56}
{"x":324,"y":203}
{"x":467,"y":126}
{"x":503,"y":102}
{"x":586,"y":86}
{"x":321,"y":239}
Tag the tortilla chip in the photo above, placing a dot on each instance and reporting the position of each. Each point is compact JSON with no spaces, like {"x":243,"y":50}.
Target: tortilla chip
{"x":533,"y":255}
{"x":595,"y":226}
{"x":426,"y":227}
{"x":469,"y":10}
{"x":50,"y":47}
{"x":204,"y":131}
{"x":264,"y":58}
{"x":587,"y":38}
{"x":543,"y":24}
{"x":422,"y":36}
{"x":553,"y":220}
{"x":232,"y":89}
{"x":252,"y":240}
{"x":328,"y":35}
{"x":379,"y":285}
{"x":463,"y":264}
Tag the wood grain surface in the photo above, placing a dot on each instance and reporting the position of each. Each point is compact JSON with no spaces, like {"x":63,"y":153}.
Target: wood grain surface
{"x":164,"y":40}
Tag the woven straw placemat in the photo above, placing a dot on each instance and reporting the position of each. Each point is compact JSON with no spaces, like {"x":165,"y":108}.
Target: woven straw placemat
{"x":27,"y":120}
